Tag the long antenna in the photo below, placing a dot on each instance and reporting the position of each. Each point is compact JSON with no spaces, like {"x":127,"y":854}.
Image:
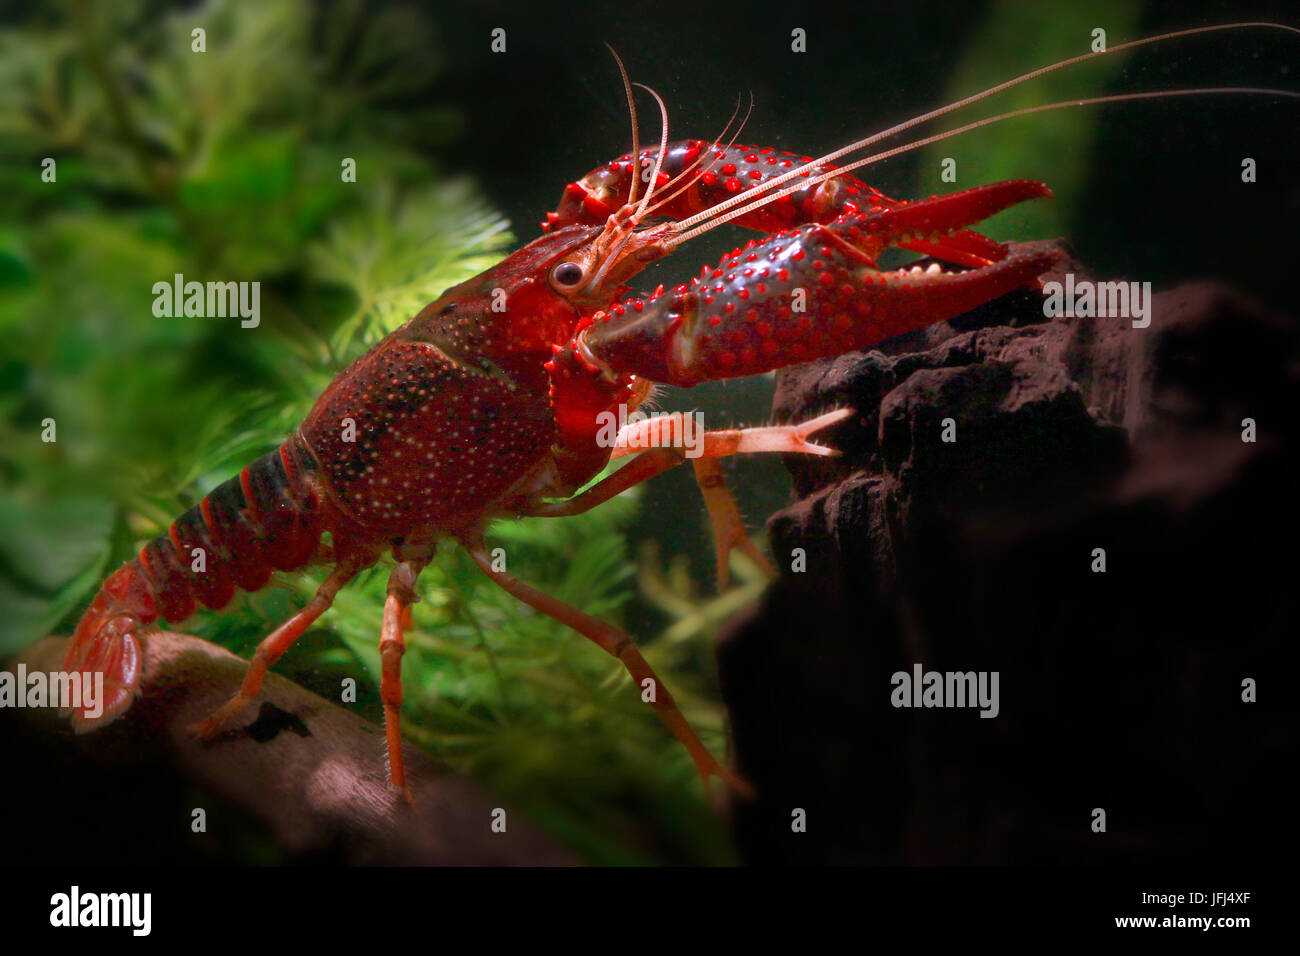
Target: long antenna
{"x":775,"y":181}
{"x":762,"y":200}
{"x":636,"y":135}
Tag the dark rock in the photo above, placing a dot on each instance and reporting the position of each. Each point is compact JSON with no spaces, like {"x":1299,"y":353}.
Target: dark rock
{"x":1120,"y":690}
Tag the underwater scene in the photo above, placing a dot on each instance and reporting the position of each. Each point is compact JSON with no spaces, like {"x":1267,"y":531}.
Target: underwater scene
{"x":1006,"y":601}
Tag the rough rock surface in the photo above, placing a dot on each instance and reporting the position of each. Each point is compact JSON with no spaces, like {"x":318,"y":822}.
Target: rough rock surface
{"x":1120,"y":690}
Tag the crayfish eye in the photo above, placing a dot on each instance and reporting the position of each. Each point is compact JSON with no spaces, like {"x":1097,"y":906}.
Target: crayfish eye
{"x":567,"y":275}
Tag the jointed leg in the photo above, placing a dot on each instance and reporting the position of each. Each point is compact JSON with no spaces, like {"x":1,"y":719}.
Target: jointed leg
{"x":724,"y":515}
{"x":641,"y":468}
{"x":728,"y":529}
{"x":619,"y":645}
{"x":273,"y":647}
{"x":401,"y":595}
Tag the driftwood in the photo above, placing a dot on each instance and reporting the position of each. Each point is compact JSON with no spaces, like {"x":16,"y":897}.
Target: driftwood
{"x":312,"y":773}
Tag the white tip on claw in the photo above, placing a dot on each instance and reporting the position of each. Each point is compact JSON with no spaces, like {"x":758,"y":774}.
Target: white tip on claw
{"x":817,"y":424}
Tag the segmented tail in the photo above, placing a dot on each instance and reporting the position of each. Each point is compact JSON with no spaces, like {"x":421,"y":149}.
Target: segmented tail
{"x":268,"y":518}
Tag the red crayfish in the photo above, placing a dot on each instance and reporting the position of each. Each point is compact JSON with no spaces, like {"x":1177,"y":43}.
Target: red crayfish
{"x":490,"y":402}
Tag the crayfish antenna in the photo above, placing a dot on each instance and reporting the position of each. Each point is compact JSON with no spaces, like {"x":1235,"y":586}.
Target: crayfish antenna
{"x":636,"y":132}
{"x":659,"y":159}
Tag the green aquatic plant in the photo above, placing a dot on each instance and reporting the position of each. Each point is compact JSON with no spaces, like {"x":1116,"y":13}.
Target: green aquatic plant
{"x":228,"y":165}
